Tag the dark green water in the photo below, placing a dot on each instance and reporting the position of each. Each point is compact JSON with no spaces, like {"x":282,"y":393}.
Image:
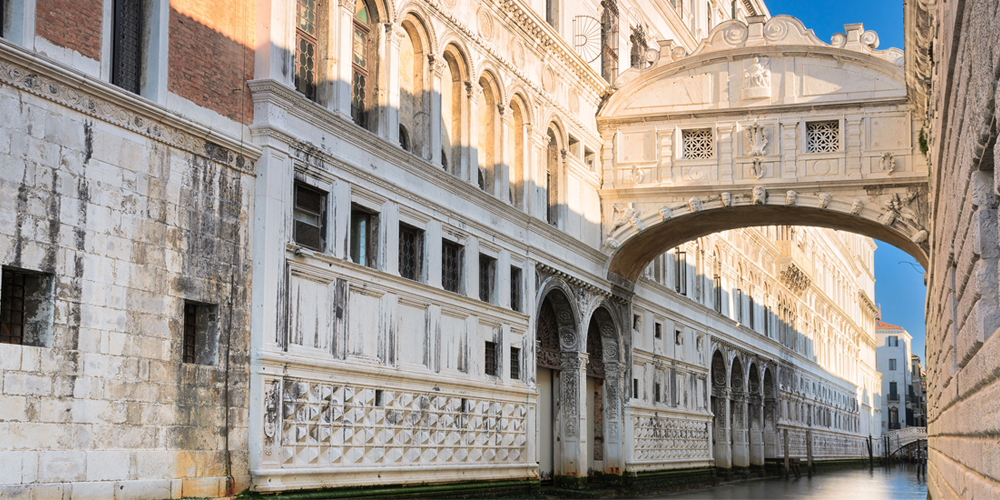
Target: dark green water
{"x":891,"y":483}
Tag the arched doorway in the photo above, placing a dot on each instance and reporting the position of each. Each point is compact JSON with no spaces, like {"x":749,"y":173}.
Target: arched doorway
{"x":595,"y":396}
{"x":555,"y":330}
{"x":720,"y":411}
{"x":603,"y":404}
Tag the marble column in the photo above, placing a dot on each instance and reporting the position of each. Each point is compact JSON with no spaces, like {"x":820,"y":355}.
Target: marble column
{"x":756,"y":409}
{"x":572,"y":453}
{"x":720,"y":407}
{"x":741,"y":448}
{"x":770,"y":428}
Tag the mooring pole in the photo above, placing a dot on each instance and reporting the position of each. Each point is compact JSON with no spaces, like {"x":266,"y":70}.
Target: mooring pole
{"x":871,"y":457}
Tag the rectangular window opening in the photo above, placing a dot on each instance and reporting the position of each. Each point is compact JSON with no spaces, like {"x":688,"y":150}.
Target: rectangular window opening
{"x":656,"y":393}
{"x":590,"y":159}
{"x":451,"y":266}
{"x":487,"y":278}
{"x":306,"y":49}
{"x":200,"y":340}
{"x":27,"y":307}
{"x":678,"y":337}
{"x":515,"y":363}
{"x":658,"y":330}
{"x":492,"y":367}
{"x":364,"y":236}
{"x":515,"y":289}
{"x":635,"y":388}
{"x":411,"y":252}
{"x":126,"y":48}
{"x":309,"y":216}
{"x":823,"y":137}
{"x":680,"y":272}
{"x":379,"y":398}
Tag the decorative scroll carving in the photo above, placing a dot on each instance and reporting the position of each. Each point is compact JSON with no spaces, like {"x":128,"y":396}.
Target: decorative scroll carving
{"x":887,"y":163}
{"x":662,"y":438}
{"x":795,"y":279}
{"x":271,"y":415}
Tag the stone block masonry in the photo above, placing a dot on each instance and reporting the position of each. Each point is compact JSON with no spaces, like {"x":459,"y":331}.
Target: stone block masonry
{"x":132,"y":221}
{"x":962,"y":304}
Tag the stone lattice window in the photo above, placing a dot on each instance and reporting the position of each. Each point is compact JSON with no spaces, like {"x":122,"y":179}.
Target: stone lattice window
{"x":823,"y":137}
{"x":305,"y":49}
{"x":698,"y":143}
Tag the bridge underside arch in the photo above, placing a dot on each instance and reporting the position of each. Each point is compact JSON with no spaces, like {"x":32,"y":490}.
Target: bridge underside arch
{"x":639,"y":247}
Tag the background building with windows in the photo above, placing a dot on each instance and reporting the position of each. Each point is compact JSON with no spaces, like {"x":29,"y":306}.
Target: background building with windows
{"x":298,"y":244}
{"x":893,"y":362}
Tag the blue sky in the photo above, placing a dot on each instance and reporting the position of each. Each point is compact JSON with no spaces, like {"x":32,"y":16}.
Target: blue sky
{"x":899,"y":280}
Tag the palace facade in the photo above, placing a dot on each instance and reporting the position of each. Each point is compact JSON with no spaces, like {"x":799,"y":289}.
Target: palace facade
{"x":296,"y":244}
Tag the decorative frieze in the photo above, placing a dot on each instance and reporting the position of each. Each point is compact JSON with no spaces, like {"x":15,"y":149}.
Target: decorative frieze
{"x":657,"y":438}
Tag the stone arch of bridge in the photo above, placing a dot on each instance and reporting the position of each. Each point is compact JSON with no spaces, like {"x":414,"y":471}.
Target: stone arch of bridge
{"x":761,"y":124}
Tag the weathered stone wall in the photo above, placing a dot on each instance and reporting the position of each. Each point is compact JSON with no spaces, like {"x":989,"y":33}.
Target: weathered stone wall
{"x":130,"y":215}
{"x":962,"y":302}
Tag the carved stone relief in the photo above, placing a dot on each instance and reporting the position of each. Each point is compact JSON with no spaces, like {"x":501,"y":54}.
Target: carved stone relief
{"x":757,"y":79}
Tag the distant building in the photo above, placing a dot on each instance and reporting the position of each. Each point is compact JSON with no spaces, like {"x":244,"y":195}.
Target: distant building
{"x":916,"y":398}
{"x":892,"y":360}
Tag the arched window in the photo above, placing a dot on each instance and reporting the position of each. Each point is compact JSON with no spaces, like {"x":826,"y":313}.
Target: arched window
{"x":453,"y":81}
{"x":487,"y":111}
{"x":363,"y":65}
{"x":516,"y":140}
{"x":552,"y":172}
{"x":414,"y":101}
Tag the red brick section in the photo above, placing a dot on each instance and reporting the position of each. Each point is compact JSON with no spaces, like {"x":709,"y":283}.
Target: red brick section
{"x":211,"y":55}
{"x":74,"y":24}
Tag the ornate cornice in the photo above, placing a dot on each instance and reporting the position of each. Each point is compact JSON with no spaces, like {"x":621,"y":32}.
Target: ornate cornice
{"x":30,"y":73}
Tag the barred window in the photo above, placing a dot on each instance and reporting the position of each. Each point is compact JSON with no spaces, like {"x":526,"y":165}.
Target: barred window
{"x":309,"y":217}
{"x":126,"y":49}
{"x":26,"y":307}
{"x":515,"y":289}
{"x":360,"y":63}
{"x":200,"y":334}
{"x":823,"y":137}
{"x":451,"y":266}
{"x":305,"y":49}
{"x":411,"y":252}
{"x":698,"y":143}
{"x":364,"y":236}
{"x":487,"y":277}
{"x":515,"y":363}
{"x":680,"y":272}
{"x":492,"y":367}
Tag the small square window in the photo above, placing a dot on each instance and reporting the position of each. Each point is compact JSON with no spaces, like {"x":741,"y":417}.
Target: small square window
{"x":364,"y":236}
{"x":200,"y":333}
{"x":309,"y":217}
{"x":27,"y":307}
{"x":698,"y":144}
{"x":492,"y":367}
{"x":515,"y":363}
{"x":451,"y":266}
{"x":658,"y":330}
{"x":823,"y":137}
{"x":411,"y":252}
{"x":515,"y":289}
{"x":487,"y":277}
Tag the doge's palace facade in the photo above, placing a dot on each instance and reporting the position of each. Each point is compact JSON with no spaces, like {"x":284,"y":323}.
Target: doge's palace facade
{"x":302,"y":244}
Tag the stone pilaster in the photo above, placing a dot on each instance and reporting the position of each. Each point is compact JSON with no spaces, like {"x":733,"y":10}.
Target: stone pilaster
{"x":741,"y":448}
{"x":573,"y":460}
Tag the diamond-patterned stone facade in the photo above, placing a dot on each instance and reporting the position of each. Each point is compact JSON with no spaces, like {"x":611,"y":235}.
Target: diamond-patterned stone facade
{"x":662,"y":438}
{"x":823,"y":137}
{"x":327,"y":424}
{"x":698,"y":144}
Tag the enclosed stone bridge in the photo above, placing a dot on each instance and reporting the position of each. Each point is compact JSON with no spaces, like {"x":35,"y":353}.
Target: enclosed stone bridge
{"x":761,"y":124}
{"x":901,"y":438}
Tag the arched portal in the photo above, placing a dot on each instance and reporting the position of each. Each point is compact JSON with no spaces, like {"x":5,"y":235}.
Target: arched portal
{"x":604,"y":393}
{"x":720,"y":412}
{"x":738,"y":415}
{"x":555,"y":318}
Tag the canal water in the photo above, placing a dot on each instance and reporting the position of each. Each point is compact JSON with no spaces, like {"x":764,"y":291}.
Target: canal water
{"x":898,"y":482}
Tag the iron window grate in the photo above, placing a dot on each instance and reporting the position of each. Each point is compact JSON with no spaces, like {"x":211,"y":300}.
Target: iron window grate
{"x":515,"y":289}
{"x":12,"y":307}
{"x":411,"y":252}
{"x":127,"y":45}
{"x":487,"y":277}
{"x":190,"y":332}
{"x":515,"y":363}
{"x":492,"y":367}
{"x":451,"y":266}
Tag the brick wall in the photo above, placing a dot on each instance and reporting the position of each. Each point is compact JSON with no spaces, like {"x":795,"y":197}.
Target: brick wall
{"x":74,"y":24}
{"x":211,"y":55}
{"x":128,"y":228}
{"x":963,"y":313}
